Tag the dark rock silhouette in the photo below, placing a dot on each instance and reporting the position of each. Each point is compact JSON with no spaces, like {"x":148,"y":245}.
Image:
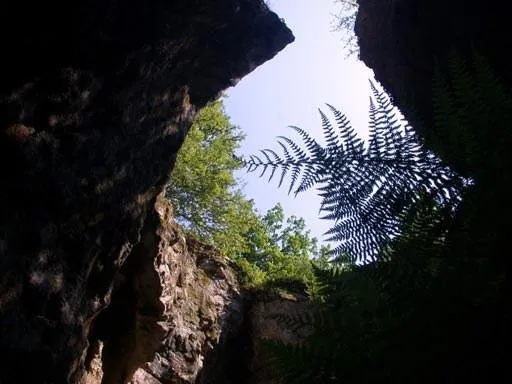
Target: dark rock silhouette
{"x":401,"y":40}
{"x":95,"y":100}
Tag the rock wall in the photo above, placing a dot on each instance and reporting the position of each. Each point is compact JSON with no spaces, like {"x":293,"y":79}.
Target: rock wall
{"x":179,"y":315}
{"x":96,"y":98}
{"x":264,"y":311}
{"x":402,"y":39}
{"x":174,"y":310}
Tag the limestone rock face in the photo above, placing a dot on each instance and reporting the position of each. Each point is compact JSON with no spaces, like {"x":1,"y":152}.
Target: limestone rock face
{"x":178,"y":315}
{"x":96,"y":98}
{"x":175,"y":309}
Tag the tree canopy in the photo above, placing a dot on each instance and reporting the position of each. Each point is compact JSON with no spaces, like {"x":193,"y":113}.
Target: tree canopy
{"x":205,"y":193}
{"x":282,"y":248}
{"x":209,"y":204}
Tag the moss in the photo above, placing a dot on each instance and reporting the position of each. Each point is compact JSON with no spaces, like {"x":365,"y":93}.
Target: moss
{"x":202,"y":277}
{"x":287,"y":285}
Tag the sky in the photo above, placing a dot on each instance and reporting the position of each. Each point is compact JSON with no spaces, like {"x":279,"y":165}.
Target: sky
{"x":288,"y":90}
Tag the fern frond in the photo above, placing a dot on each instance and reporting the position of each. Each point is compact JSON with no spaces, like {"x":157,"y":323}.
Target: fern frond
{"x":364,"y":189}
{"x":393,"y":205}
{"x":472,"y":108}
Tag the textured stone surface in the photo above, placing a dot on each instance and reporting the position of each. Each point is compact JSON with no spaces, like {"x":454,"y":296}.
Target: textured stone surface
{"x":95,"y":100}
{"x":178,"y":315}
{"x":264,"y":313}
{"x":172,"y":311}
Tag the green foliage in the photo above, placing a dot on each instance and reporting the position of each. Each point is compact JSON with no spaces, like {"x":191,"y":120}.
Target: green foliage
{"x":282,"y":249}
{"x":366,"y":189}
{"x":209,"y":204}
{"x":203,"y":189}
{"x":426,"y":310}
{"x":471,"y":109}
{"x":412,"y":318}
{"x":355,"y":336}
{"x":252,"y":276}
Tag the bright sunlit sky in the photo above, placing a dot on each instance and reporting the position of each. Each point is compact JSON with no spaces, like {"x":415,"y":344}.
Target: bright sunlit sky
{"x":289,"y":89}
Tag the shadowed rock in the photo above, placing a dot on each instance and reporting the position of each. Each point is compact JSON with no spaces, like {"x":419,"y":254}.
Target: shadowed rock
{"x":402,"y":39}
{"x":96,"y":98}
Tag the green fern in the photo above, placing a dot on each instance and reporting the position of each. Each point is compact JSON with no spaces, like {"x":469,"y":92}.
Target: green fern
{"x":349,"y":320}
{"x":365,"y":187}
{"x":412,"y":315}
{"x":471,"y":109}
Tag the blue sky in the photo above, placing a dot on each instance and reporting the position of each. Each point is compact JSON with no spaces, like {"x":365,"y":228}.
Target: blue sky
{"x":289,"y":89}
